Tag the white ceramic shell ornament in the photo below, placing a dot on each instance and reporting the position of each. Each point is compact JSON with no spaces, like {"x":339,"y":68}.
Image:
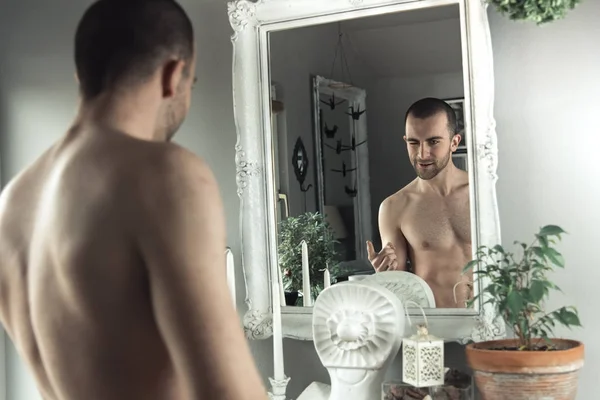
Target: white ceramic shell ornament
{"x":357,"y":330}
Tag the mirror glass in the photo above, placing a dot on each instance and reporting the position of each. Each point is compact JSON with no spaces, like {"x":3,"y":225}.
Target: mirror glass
{"x":371,"y":154}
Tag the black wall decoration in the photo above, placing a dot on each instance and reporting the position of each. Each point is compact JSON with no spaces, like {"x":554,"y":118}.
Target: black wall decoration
{"x":353,"y":144}
{"x":330,"y":133}
{"x":339,"y":147}
{"x":300,"y":164}
{"x":352,"y":192}
{"x":332,"y":103}
{"x":355,"y":113}
{"x":344,"y":169}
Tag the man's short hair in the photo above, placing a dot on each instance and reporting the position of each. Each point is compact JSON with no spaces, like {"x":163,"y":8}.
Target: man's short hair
{"x":430,"y":106}
{"x":121,"y":42}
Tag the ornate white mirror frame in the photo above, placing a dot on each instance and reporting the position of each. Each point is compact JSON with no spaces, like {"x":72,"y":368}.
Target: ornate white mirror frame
{"x":252,"y":22}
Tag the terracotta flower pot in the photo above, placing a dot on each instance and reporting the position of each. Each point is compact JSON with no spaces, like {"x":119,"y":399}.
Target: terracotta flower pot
{"x":526,"y":375}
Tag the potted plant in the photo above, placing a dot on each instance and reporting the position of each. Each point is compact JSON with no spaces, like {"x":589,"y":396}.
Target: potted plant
{"x":538,"y":11}
{"x":533,"y":365}
{"x":319,"y":237}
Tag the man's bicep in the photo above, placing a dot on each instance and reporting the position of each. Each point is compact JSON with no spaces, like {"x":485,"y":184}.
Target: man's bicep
{"x":183,"y":247}
{"x":389,"y":228}
{"x":183,"y":251}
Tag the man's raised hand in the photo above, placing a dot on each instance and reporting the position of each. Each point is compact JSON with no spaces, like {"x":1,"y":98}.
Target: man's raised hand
{"x":385,"y":260}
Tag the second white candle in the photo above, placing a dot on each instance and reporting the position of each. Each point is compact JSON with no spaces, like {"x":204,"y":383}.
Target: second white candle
{"x":307,"y":300}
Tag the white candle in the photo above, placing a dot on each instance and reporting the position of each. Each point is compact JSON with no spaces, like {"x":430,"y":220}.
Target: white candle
{"x":327,"y":279}
{"x":231,"y":274}
{"x":281,"y":291}
{"x":278,"y":373}
{"x":307,"y":301}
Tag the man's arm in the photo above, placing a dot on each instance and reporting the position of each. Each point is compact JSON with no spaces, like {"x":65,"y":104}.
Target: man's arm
{"x":390,"y":232}
{"x":182,"y":242}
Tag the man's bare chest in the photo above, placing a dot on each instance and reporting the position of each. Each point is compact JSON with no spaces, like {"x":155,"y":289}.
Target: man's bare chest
{"x":436,"y":223}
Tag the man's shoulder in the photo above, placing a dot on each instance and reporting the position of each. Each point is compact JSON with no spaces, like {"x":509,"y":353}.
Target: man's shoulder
{"x":463,"y":176}
{"x":23,"y":187}
{"x":168,"y":163}
{"x":397,"y":201}
{"x":401,"y":195}
{"x":171,"y":155}
{"x":178,"y":186}
{"x":462,"y":183}
{"x":173,"y":172}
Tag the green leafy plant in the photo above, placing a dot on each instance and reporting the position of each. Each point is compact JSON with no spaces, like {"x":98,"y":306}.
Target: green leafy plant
{"x":538,"y":11}
{"x":518,"y":287}
{"x":319,"y":237}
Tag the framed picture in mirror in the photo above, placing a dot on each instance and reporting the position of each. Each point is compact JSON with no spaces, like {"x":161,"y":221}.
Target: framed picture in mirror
{"x":458,"y":105}
{"x":460,"y":160}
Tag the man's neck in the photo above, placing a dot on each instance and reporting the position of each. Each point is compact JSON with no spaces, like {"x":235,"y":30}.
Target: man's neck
{"x":131,"y":115}
{"x":443,"y":183}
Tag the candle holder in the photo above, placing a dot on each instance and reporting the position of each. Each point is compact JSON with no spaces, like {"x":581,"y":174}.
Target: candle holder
{"x":278,"y":388}
{"x":422,"y":356}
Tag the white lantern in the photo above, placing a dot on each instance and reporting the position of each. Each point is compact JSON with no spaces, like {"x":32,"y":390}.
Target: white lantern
{"x":423,"y":358}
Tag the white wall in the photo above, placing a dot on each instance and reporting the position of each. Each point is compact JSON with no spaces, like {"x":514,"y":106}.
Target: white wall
{"x":37,"y":98}
{"x":415,"y":46}
{"x":547,"y":102}
{"x":547,"y":90}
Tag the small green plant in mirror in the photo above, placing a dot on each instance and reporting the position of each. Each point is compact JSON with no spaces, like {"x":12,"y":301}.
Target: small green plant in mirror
{"x":319,"y":237}
{"x":538,"y":11}
{"x":518,"y":287}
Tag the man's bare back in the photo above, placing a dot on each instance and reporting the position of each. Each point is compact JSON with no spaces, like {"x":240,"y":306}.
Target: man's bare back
{"x":437,"y":233}
{"x":73,"y":278}
{"x":112,"y":244}
{"x":90,"y":287}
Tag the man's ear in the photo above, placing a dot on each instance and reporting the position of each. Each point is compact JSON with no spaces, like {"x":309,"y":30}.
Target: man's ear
{"x":77,"y":78}
{"x":455,"y":142}
{"x":405,"y":139}
{"x":172,"y":75}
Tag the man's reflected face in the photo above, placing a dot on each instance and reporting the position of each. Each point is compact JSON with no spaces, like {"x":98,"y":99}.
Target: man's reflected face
{"x":430,"y":144}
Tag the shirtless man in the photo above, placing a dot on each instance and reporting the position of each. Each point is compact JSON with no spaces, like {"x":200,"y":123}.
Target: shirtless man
{"x":112,"y":272}
{"x":428,"y":221}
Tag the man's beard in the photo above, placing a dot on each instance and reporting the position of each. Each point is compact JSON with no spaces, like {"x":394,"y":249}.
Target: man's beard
{"x":174,"y":118}
{"x":432,"y":170}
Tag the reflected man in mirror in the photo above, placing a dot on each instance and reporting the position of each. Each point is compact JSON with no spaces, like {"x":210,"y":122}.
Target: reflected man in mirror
{"x":427,"y":223}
